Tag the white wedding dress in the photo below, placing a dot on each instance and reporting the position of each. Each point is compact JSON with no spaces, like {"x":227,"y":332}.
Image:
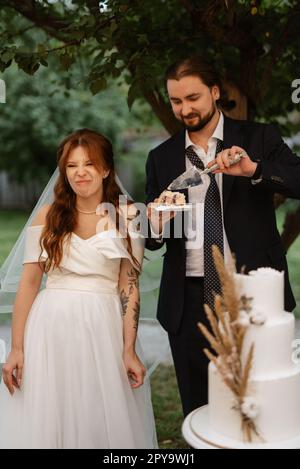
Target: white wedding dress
{"x":75,"y":392}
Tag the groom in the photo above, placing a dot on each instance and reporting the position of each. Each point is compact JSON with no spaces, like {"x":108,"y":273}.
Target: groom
{"x":237,"y":211}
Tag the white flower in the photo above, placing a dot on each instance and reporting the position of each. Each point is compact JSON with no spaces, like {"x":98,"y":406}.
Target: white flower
{"x":243,"y":319}
{"x":258,"y":318}
{"x":250,"y":408}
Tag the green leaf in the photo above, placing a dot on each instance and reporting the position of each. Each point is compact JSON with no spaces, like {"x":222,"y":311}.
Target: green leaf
{"x":116,"y":72}
{"x":34,"y":66}
{"x":29,"y":63}
{"x":78,"y":35}
{"x":8,"y":55}
{"x":66,"y":60}
{"x":43,"y":62}
{"x":42,"y":49}
{"x":3,"y":66}
{"x":143,"y":39}
{"x":133,"y":92}
{"x":98,"y":85}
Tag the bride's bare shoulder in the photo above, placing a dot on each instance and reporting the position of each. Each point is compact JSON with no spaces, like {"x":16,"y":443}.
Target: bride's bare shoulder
{"x":40,"y":218}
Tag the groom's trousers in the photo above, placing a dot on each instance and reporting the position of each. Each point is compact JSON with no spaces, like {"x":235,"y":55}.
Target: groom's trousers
{"x":191,"y":364}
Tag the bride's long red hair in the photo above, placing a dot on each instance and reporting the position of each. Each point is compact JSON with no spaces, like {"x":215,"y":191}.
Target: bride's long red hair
{"x":61,"y":219}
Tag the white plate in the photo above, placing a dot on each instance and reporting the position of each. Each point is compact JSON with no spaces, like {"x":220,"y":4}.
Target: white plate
{"x":173,"y":208}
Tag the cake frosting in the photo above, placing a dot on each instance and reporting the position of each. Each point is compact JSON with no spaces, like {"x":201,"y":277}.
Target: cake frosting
{"x":274,"y":385}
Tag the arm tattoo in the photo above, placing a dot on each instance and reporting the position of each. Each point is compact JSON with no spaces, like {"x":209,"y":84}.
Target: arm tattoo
{"x":132,"y":280}
{"x":136,"y":316}
{"x":124,"y":301}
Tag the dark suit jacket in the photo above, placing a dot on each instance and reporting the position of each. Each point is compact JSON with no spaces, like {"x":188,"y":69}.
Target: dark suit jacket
{"x":249,"y":214}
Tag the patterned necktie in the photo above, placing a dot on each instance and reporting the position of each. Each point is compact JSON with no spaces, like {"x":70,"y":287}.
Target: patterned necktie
{"x":213,"y":228}
{"x":194,"y":158}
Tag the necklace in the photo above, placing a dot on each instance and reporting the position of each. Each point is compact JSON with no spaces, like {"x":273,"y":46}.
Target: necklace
{"x":97,"y":210}
{"x":88,"y":213}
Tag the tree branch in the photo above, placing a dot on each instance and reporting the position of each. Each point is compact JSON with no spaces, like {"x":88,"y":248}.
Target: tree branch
{"x":64,"y":46}
{"x":40,"y":16}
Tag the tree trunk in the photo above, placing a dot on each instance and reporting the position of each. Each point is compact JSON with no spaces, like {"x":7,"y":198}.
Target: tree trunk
{"x":241,"y":109}
{"x":163,"y":112}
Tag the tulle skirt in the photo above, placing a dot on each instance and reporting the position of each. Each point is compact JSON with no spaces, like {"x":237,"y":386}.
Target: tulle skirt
{"x":75,"y":392}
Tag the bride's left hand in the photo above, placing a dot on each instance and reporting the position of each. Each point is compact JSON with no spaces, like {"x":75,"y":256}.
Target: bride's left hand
{"x":135,"y":369}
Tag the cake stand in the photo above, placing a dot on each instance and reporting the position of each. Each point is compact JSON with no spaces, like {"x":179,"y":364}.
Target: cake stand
{"x":198,"y":434}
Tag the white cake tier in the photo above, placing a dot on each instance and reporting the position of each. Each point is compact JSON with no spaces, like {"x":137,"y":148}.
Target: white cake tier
{"x":266,"y":287}
{"x":278,"y":400}
{"x":272,"y":347}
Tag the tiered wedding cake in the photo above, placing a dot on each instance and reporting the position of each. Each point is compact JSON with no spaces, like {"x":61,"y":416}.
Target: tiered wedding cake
{"x":273,"y":392}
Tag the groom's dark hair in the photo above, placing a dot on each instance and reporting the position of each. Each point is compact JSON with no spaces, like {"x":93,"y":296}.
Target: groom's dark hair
{"x":196,"y":66}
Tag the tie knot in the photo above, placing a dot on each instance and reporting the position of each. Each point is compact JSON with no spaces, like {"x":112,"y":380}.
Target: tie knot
{"x":194,"y":158}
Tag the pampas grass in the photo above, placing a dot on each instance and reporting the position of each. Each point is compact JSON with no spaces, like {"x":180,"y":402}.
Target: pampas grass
{"x":226,"y":339}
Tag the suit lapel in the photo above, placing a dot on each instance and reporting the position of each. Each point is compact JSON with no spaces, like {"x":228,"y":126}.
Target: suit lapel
{"x":232,"y":136}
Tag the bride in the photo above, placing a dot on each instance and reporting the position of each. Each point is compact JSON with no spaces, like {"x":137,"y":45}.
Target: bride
{"x":73,"y":378}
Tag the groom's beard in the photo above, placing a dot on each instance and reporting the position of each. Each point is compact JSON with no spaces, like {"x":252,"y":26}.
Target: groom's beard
{"x":202,"y":122}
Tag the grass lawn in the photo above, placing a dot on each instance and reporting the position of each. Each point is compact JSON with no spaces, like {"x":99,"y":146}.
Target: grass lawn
{"x":167,"y":408}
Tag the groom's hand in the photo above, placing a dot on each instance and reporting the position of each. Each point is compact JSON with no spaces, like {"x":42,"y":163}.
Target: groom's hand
{"x":245,"y":167}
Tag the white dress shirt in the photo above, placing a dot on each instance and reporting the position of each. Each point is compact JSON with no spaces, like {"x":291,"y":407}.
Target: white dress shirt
{"x":195,"y":224}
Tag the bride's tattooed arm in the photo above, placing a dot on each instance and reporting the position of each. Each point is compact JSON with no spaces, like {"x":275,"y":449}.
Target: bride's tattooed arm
{"x":130,"y":301}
